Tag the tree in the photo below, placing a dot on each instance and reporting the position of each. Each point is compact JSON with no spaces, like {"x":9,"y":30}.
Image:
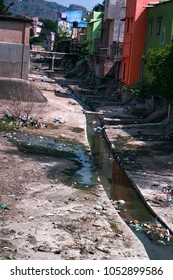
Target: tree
{"x":63,"y":33}
{"x":159,"y":63}
{"x":4,"y":10}
{"x":48,"y":27}
{"x":99,"y":7}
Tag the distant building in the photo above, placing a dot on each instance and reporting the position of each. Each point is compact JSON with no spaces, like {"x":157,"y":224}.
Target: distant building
{"x":37,"y":26}
{"x":109,"y":50}
{"x":94,"y":29}
{"x":48,"y":43}
{"x":160,"y":24}
{"x":71,"y":24}
{"x":74,"y":18}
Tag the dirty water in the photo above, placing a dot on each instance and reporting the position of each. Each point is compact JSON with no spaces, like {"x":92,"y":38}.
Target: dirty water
{"x":118,"y":187}
{"x":78,"y":171}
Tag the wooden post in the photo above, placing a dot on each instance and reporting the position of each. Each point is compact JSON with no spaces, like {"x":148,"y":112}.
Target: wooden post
{"x":51,"y":67}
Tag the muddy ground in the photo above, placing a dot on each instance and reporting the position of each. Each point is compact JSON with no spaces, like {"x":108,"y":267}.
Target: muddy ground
{"x":44,"y":214}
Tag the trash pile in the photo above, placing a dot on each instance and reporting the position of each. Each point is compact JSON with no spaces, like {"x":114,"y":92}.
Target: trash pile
{"x":164,"y":200}
{"x":22,"y":121}
{"x":168,"y":191}
{"x":4,"y":207}
{"x":154,"y":231}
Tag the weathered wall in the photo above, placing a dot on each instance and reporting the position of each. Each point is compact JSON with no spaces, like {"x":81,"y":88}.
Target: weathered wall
{"x":14,"y":46}
{"x":14,"y":60}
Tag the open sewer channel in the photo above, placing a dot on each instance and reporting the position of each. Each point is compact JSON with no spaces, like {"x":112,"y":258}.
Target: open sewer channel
{"x":118,"y":187}
{"x":83,"y":168}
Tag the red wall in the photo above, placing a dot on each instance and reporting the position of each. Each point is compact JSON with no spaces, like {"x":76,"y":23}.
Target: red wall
{"x":134,"y":40}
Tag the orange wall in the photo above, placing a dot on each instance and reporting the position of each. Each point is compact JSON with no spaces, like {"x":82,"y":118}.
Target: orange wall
{"x":134,"y":40}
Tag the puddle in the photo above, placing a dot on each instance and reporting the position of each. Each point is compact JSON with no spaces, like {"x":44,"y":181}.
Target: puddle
{"x":79,"y":170}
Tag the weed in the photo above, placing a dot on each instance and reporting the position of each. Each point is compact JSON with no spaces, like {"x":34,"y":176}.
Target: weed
{"x":6,"y":124}
{"x":77,"y":129}
{"x":115,"y":228}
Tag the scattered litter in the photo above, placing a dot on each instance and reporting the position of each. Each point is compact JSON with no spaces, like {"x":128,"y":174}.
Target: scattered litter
{"x":161,"y":242}
{"x":167,"y":190}
{"x":44,"y":247}
{"x":168,"y":200}
{"x":98,"y":129}
{"x":126,"y":254}
{"x":74,"y":211}
{"x":7,"y":248}
{"x":160,"y":200}
{"x":154,"y":230}
{"x":138,"y":228}
{"x":98,"y":207}
{"x":16,"y":236}
{"x":118,"y":204}
{"x":52,"y":214}
{"x":11,"y":195}
{"x":121,"y":201}
{"x":56,"y":121}
{"x":4,"y":207}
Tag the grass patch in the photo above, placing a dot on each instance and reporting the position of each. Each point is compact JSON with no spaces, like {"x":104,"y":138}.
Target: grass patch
{"x":6,"y":125}
{"x":115,"y":228}
{"x":77,"y":129}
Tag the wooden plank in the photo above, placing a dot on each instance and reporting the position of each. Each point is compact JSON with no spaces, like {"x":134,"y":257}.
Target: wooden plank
{"x":92,"y":113}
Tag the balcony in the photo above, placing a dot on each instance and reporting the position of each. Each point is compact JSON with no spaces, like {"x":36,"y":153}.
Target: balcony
{"x":113,"y":52}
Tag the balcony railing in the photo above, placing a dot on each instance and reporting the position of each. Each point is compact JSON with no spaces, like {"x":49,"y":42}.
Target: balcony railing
{"x":114,"y":52}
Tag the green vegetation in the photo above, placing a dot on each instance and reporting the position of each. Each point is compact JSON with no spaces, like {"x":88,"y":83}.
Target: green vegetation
{"x":48,"y":27}
{"x":99,"y":7}
{"x":159,"y":63}
{"x":115,"y":228}
{"x":4,"y":10}
{"x":63,"y":34}
{"x":142,"y":88}
{"x":77,"y":129}
{"x":6,"y":124}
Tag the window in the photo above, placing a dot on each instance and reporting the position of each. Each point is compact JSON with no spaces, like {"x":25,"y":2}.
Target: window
{"x":159,"y":21}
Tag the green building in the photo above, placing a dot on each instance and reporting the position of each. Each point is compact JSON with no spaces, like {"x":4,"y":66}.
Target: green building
{"x":160,"y":24}
{"x":94,"y":29}
{"x":160,"y":27}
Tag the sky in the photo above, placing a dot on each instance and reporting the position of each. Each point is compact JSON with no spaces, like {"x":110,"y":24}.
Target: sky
{"x":89,"y":4}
